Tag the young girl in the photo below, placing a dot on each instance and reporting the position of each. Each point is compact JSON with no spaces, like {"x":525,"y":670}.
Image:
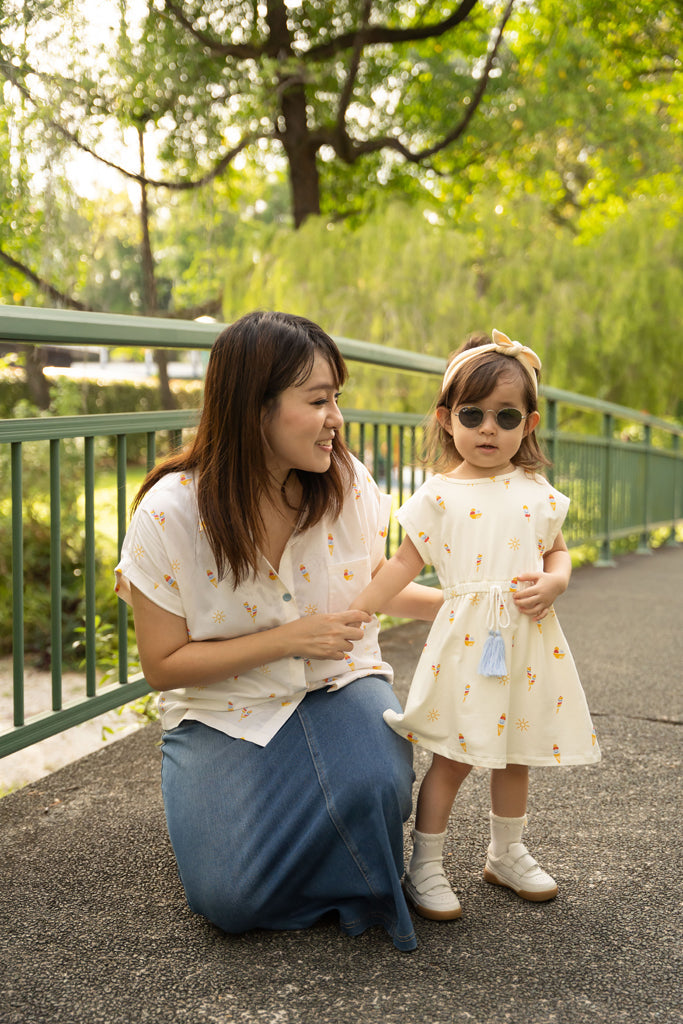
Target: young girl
{"x":496,"y":685}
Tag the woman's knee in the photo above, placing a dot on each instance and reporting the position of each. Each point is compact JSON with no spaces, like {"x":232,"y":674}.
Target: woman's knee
{"x":230,"y":906}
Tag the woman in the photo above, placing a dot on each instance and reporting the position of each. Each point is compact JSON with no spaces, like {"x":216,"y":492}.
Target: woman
{"x":284,"y":790}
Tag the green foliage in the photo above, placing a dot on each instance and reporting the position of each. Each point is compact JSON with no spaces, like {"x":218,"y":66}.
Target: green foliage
{"x":36,"y":553}
{"x":14,"y":393}
{"x":72,"y":396}
{"x":597,"y":309}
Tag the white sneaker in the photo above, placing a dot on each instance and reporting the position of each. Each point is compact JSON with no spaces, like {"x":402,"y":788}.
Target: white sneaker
{"x":517,"y":870}
{"x":430,"y":893}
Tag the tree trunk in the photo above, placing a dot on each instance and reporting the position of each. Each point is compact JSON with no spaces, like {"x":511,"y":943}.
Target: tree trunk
{"x":303,"y":167}
{"x":293,"y":129}
{"x":38,"y":384}
{"x":149,"y":285}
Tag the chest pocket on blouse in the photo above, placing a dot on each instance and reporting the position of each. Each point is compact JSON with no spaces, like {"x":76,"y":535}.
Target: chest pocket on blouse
{"x":346,"y":580}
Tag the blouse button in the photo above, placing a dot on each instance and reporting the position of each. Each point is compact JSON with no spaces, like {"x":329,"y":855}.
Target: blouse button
{"x":286,"y":597}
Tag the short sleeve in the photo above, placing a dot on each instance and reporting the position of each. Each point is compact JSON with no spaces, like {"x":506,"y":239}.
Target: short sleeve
{"x":557,"y":509}
{"x":417,"y":516}
{"x":147,"y":563}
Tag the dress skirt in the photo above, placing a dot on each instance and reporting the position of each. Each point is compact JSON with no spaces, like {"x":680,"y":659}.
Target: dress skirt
{"x":277,"y":836}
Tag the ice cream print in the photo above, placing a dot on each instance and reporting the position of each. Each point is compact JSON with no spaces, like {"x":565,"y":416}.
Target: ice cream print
{"x":496,"y":664}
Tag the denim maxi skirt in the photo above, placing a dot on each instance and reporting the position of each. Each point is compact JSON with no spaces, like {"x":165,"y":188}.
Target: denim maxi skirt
{"x":277,"y":836}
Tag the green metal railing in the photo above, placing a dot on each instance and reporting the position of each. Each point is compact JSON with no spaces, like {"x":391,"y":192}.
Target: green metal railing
{"x":622,"y":469}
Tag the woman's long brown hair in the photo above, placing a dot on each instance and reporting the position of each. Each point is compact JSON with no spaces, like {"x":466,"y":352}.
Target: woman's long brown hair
{"x":252,"y":362}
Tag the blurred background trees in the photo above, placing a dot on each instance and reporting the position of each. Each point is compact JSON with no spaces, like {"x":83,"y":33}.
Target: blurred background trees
{"x":404,"y":172}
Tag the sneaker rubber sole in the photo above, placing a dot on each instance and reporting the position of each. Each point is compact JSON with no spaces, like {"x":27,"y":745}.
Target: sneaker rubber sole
{"x":533,"y":897}
{"x":431,"y":915}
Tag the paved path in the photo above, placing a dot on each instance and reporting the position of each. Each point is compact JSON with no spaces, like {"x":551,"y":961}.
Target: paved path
{"x":94,"y":927}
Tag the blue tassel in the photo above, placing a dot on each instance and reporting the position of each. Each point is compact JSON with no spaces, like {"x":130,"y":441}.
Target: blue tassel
{"x":492,"y":662}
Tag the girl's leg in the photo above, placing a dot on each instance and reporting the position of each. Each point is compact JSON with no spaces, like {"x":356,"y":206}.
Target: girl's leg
{"x":438,"y":791}
{"x":509,"y":790}
{"x":426,"y":884}
{"x":508,"y":862}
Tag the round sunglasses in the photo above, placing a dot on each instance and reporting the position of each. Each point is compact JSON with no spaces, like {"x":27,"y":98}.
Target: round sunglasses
{"x":507,"y":419}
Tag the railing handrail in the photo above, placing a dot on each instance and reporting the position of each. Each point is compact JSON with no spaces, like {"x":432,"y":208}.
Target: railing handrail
{"x":35,"y":326}
{"x":40,"y":326}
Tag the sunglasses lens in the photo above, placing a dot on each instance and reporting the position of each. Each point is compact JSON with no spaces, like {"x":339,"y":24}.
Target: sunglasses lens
{"x":508,"y":419}
{"x":470,"y":416}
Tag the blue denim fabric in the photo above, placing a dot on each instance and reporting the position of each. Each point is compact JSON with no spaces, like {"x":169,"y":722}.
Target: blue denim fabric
{"x":277,"y":836}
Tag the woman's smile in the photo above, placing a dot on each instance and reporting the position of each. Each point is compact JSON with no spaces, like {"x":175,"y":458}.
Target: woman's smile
{"x":300,"y":430}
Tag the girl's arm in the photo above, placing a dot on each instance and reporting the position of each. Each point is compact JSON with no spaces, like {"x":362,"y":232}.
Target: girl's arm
{"x":170,"y":660}
{"x":392,"y":590}
{"x":536,"y":599}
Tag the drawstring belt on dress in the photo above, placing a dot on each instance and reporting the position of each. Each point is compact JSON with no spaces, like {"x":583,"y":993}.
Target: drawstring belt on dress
{"x":492,"y":661}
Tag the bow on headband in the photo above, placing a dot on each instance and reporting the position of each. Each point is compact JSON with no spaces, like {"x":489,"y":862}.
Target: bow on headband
{"x":501,"y":343}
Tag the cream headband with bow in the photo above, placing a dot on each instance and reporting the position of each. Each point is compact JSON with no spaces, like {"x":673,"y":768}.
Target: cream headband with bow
{"x":501,"y":343}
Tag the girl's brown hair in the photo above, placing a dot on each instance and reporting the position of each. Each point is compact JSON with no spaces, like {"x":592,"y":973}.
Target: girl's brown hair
{"x":252,"y":362}
{"x":472,"y":382}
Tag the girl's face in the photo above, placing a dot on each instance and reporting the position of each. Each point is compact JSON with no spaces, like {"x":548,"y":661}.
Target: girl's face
{"x":300,"y":427}
{"x":488,"y":449}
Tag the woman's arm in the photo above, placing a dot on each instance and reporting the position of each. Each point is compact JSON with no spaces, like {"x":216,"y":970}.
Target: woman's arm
{"x":170,"y":660}
{"x":546,"y":586}
{"x":392,"y":590}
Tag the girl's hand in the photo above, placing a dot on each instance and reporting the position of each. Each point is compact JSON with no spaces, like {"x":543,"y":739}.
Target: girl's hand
{"x":536,"y":599}
{"x":326,"y":636}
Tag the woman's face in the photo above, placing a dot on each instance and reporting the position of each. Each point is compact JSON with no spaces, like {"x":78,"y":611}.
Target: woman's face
{"x":301,"y":426}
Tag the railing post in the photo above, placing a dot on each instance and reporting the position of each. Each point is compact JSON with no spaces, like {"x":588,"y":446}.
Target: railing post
{"x":551,"y":406}
{"x":90,"y":614}
{"x":676,"y":502}
{"x":17,"y":583}
{"x":605,"y":560}
{"x":121,"y":515}
{"x":644,"y":541}
{"x":151,"y":449}
{"x":56,"y":574}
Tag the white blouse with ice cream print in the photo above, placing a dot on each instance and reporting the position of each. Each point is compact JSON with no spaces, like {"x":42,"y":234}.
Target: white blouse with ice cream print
{"x":166,"y":555}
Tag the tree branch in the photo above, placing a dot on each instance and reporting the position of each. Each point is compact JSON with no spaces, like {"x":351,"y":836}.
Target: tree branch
{"x":377,"y":35}
{"x":372,"y":35}
{"x":65,"y":301}
{"x":356,"y":53}
{"x":211,"y":307}
{"x":242,"y":51}
{"x":177,"y":186}
{"x":350,"y":150}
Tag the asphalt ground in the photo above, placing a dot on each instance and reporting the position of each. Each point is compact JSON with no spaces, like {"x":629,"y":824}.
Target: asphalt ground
{"x":94,"y":926}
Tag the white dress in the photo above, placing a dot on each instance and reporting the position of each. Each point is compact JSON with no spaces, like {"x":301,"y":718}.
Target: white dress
{"x":480,"y":535}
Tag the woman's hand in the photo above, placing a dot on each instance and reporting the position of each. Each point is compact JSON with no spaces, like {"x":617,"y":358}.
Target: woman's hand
{"x":170,"y":659}
{"x":326,"y":636}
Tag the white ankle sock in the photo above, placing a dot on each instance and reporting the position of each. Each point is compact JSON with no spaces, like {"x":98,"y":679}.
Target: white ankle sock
{"x":427,"y":848}
{"x":505,"y":831}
